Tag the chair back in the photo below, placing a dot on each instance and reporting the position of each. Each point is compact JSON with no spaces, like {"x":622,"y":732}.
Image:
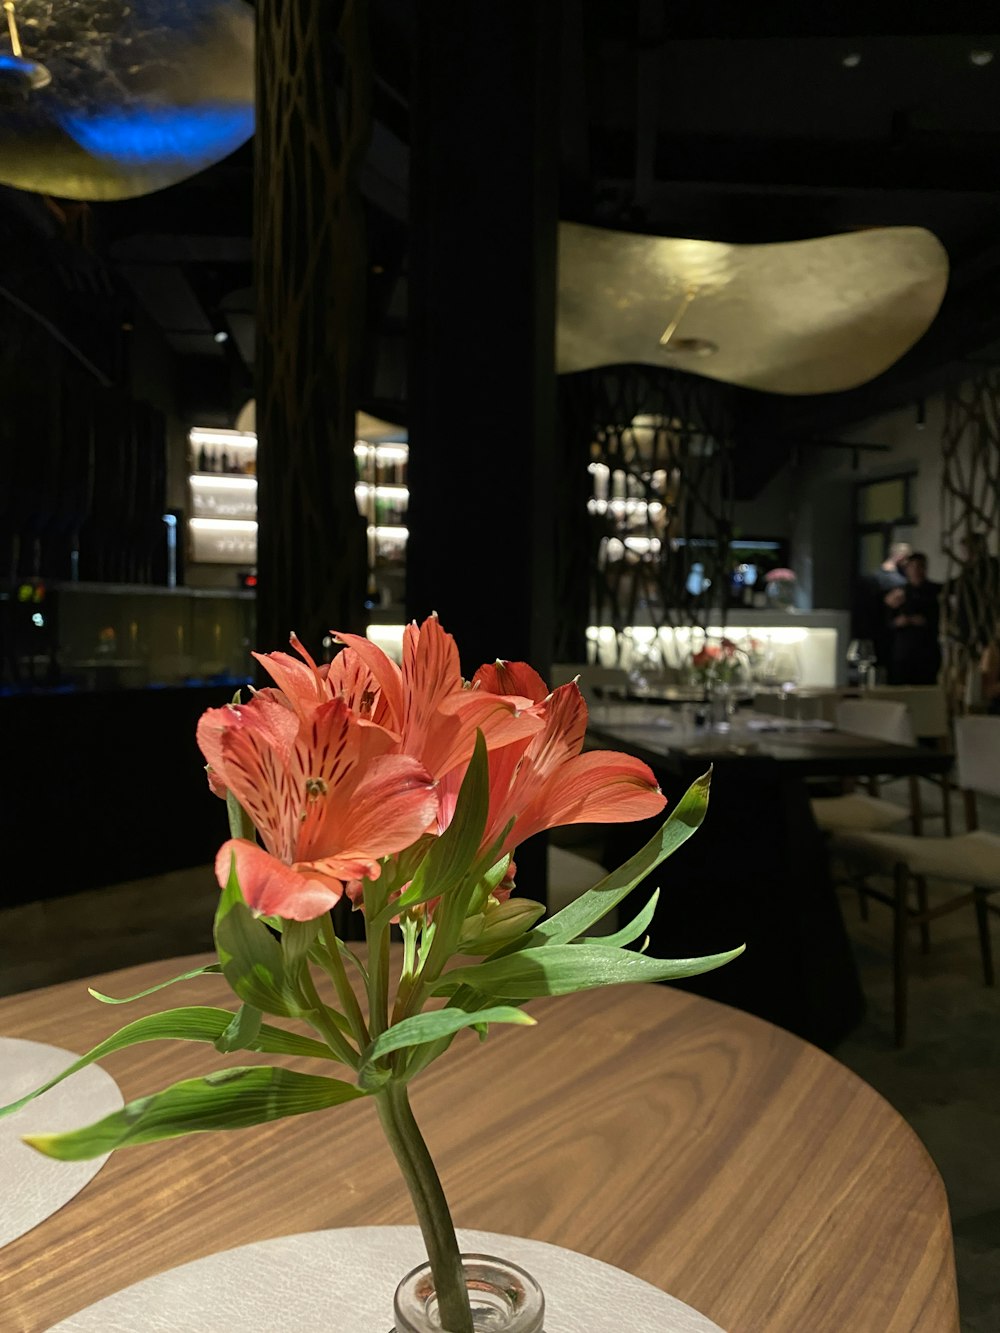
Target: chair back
{"x":609,"y":680}
{"x":977,"y":754}
{"x":876,"y":718}
{"x":927,"y":704}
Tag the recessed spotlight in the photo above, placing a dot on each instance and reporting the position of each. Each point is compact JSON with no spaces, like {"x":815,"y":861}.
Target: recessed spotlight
{"x":690,"y":347}
{"x":222,"y":336}
{"x":378,"y":268}
{"x":852,"y":60}
{"x":980,"y":58}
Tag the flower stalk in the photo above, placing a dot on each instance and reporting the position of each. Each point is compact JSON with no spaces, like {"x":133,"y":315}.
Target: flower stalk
{"x":431,"y":1206}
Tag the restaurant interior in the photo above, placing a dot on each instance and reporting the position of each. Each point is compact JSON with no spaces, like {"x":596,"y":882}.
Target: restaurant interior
{"x":654,"y":343}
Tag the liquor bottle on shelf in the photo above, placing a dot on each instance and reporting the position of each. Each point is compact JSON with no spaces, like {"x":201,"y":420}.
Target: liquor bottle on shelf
{"x":202,"y":461}
{"x":224,"y":462}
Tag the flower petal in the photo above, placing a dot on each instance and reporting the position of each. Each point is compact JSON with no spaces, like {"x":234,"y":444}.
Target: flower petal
{"x":273,"y":889}
{"x":350,"y":678}
{"x":248,"y":748}
{"x":383,"y":668}
{"x":501,"y":677}
{"x":392,"y":804}
{"x":302,"y":683}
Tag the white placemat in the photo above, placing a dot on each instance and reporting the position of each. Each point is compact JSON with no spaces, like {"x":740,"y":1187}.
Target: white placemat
{"x":33,"y":1187}
{"x":343,"y":1282}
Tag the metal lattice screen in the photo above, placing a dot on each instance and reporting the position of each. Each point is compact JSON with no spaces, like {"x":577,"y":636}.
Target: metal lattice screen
{"x":970,"y":523}
{"x":651,"y":459}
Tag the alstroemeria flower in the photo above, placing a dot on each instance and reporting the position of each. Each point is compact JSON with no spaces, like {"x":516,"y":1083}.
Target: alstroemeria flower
{"x":427,"y":703}
{"x":326,"y":791}
{"x":306,"y":685}
{"x":545,"y":781}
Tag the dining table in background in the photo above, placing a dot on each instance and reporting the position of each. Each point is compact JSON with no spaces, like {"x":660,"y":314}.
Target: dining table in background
{"x":700,"y":1148}
{"x":758,"y":871}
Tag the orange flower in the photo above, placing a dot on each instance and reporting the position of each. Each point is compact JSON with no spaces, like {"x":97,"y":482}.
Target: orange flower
{"x":324,"y":788}
{"x":544,"y":781}
{"x":429,"y":706}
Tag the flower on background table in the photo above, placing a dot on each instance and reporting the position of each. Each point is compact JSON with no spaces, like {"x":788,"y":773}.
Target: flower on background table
{"x":720,"y":663}
{"x":781,"y":575}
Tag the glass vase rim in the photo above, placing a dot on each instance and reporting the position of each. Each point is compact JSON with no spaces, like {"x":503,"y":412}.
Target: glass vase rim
{"x":527,"y":1319}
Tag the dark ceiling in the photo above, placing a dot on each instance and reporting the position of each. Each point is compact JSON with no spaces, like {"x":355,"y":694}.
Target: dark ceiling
{"x":735,"y":122}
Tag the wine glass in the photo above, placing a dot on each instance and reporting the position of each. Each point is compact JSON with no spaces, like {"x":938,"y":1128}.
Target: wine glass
{"x":780,"y":673}
{"x":862,"y":657}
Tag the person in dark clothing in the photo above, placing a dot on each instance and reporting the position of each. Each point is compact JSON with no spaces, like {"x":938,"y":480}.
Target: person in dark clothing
{"x":913,"y":612}
{"x":869,"y":620}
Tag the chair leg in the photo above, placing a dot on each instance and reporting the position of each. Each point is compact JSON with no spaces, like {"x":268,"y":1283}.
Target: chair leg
{"x":985,"y":945}
{"x":946,"y":804}
{"x":916,"y":807}
{"x":925,"y":930}
{"x":899,"y":958}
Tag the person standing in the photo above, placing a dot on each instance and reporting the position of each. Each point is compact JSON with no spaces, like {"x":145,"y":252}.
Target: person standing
{"x":913,"y":615}
{"x":869,"y":620}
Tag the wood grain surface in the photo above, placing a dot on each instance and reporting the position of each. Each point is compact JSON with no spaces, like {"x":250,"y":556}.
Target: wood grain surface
{"x":700,"y":1148}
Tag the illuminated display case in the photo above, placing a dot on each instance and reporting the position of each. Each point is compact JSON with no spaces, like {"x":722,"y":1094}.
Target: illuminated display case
{"x":222,"y":485}
{"x":383,"y":499}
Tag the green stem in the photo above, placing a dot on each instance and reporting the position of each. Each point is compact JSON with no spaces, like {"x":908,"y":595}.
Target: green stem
{"x":345,"y":991}
{"x":431,"y":1207}
{"x":319,"y":1018}
{"x":378,"y":963}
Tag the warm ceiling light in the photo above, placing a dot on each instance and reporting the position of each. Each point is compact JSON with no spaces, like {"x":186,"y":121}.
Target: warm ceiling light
{"x":691,"y":347}
{"x":981,"y":58}
{"x":222,"y":336}
{"x":852,"y":60}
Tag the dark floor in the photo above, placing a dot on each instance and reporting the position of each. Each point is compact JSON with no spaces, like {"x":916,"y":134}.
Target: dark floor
{"x":946,"y":1082}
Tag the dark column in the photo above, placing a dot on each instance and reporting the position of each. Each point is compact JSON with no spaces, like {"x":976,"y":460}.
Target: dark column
{"x":482,"y":325}
{"x":313,"y":121}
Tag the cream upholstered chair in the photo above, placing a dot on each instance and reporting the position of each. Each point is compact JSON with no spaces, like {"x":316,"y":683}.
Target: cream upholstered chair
{"x":928,"y":705}
{"x":570,"y":876}
{"x":971,"y":858}
{"x":858,"y":810}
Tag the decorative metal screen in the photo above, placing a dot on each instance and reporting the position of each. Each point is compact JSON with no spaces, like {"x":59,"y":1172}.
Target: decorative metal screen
{"x":970,"y":523}
{"x":654,"y":451}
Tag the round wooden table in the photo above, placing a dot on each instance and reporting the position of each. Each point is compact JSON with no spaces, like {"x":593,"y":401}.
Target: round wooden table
{"x":702,"y":1149}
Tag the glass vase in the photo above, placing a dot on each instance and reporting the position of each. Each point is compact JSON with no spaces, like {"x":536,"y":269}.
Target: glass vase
{"x":721,"y":706}
{"x":504,"y":1298}
{"x":781,"y":594}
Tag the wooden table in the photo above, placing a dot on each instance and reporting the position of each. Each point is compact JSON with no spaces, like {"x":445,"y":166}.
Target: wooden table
{"x":708,"y":1152}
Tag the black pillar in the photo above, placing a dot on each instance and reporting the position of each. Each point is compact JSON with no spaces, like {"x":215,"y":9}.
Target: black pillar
{"x":482,"y":325}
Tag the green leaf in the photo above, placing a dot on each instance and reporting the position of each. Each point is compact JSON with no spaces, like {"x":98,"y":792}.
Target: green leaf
{"x":242,"y":1032}
{"x":561,"y":969}
{"x":230,"y":1099}
{"x":454,"y":852}
{"x":636,"y":927}
{"x":251,"y":958}
{"x":492,"y":878}
{"x":591,"y":906}
{"x":190,"y":1024}
{"x":297,"y":939}
{"x":466,"y":1000}
{"x":240,"y":823}
{"x":184,"y":976}
{"x":438,"y":1023}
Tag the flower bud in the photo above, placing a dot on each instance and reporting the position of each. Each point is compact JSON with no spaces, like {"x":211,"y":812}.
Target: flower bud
{"x":498,"y":924}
